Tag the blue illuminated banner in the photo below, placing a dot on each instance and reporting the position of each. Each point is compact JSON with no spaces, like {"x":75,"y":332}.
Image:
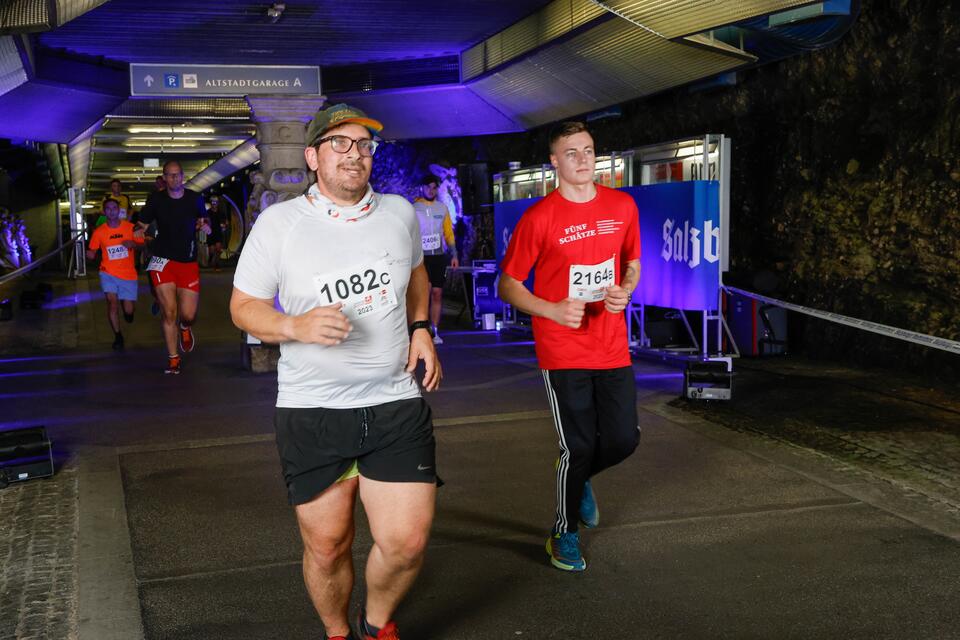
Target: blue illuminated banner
{"x":222,"y":80}
{"x":506,"y":215}
{"x":679,"y":239}
{"x":680,"y":244}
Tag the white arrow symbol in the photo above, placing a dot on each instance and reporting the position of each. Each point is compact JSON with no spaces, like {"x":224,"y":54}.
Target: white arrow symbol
{"x":148,"y":80}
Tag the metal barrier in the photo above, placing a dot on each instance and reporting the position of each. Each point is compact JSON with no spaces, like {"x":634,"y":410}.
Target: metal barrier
{"x":891,"y":332}
{"x":7,"y":277}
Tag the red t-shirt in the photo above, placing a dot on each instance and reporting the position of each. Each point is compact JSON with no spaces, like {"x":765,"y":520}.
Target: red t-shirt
{"x":551,"y":236}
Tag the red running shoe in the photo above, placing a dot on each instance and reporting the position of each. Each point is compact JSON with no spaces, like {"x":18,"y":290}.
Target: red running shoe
{"x":186,"y":339}
{"x":388,"y":632}
{"x":173,"y":365}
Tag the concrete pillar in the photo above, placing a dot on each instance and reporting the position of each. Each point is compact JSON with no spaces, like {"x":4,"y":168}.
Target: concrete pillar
{"x":283,"y":175}
{"x":281,"y":125}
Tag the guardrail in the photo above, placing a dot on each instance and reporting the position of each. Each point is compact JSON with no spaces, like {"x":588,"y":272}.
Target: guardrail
{"x":7,"y":277}
{"x":874,"y":327}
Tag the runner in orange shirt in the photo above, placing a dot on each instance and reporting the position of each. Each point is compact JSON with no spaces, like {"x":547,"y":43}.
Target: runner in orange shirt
{"x":116,"y":240}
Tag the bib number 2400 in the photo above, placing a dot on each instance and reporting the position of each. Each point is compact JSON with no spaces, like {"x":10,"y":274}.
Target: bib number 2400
{"x":354,"y":284}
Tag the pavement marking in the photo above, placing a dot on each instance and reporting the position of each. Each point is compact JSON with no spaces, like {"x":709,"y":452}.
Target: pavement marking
{"x":499,"y":382}
{"x":269,"y":437}
{"x":536,"y":539}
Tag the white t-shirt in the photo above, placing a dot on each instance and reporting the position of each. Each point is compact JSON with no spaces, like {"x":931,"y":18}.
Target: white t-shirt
{"x":310,"y":259}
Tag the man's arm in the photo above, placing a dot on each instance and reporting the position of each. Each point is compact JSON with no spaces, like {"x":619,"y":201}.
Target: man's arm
{"x":421,"y":343}
{"x":93,"y":246}
{"x":451,"y":239}
{"x":567,"y":312}
{"x":258,"y":317}
{"x":618,"y":296}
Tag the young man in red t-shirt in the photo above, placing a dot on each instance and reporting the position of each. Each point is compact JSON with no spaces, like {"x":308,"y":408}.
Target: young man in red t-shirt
{"x":116,"y":240}
{"x":583,"y":243}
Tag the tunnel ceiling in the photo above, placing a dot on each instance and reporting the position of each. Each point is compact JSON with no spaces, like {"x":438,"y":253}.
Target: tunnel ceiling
{"x":431,"y":68}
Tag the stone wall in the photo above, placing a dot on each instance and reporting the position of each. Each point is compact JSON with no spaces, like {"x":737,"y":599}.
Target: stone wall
{"x":846,"y":180}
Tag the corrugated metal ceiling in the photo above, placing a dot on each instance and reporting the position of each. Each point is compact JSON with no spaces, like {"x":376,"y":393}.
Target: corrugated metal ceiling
{"x":308,"y":32}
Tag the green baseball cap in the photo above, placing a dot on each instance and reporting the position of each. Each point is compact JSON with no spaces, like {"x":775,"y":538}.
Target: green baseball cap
{"x":336,"y":115}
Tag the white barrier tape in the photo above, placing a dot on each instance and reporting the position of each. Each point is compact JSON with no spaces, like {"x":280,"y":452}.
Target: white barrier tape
{"x":891,"y":332}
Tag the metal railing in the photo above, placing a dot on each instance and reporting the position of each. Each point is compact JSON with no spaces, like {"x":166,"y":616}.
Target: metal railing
{"x":7,"y":277}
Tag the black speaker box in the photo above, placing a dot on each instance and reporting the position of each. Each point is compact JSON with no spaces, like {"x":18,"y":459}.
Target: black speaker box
{"x":475,"y":188}
{"x":25,"y":454}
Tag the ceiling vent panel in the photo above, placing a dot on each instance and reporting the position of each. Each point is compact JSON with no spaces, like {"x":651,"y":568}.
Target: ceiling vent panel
{"x":12,"y":72}
{"x":207,"y":108}
{"x":556,"y":20}
{"x":675,"y":18}
{"x":612,"y":62}
{"x":29,"y":16}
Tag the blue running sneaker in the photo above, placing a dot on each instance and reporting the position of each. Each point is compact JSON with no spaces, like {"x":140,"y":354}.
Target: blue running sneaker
{"x":564,"y":550}
{"x":589,"y":511}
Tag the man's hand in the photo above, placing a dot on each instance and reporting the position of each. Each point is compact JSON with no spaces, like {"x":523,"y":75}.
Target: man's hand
{"x":616,"y":299}
{"x":321,"y":325}
{"x":138,"y":234}
{"x":129,"y":244}
{"x":421,"y":348}
{"x":568,"y":312}
{"x":454,"y":263}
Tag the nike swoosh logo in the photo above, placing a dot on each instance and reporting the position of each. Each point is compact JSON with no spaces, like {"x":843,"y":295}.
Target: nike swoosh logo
{"x":420,"y":467}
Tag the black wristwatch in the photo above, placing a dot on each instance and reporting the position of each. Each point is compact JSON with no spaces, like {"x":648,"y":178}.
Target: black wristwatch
{"x":421,"y":324}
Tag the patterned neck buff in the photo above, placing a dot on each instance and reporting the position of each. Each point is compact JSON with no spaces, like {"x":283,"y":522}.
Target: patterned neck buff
{"x":340,"y":213}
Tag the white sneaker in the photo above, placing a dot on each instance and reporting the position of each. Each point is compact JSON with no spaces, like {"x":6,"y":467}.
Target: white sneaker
{"x":437,"y":339}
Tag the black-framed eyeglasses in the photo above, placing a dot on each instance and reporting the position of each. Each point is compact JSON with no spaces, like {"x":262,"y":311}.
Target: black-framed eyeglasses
{"x":342,"y":144}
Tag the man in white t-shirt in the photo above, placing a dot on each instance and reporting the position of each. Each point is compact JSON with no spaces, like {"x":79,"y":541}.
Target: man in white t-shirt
{"x":347,"y":264}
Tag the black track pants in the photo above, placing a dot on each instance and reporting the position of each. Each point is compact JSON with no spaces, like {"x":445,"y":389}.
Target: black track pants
{"x":595,"y":413}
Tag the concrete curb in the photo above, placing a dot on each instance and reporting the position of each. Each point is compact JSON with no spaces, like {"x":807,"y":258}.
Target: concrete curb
{"x":109,"y":602}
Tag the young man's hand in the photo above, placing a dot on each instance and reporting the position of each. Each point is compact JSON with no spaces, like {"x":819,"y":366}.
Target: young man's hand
{"x":569,"y":312}
{"x":617,"y":299}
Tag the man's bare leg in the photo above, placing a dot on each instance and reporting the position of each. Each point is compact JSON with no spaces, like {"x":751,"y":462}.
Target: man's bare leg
{"x":327,"y":528}
{"x":436,"y":305}
{"x":187,"y":304}
{"x":400,"y":516}
{"x":113,"y":312}
{"x":167,"y":297}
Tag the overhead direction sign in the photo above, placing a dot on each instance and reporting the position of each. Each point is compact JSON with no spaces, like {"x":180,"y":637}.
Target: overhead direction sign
{"x":213,"y":80}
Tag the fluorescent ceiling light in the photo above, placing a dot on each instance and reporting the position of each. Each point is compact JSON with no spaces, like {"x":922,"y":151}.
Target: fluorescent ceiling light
{"x":160,"y":144}
{"x":158,"y":128}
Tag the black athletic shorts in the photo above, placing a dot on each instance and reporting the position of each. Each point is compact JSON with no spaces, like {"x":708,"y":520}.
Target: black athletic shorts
{"x":391,"y":442}
{"x":437,"y":269}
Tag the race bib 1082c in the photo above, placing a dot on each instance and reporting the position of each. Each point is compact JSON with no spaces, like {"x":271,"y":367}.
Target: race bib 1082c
{"x":363,"y":289}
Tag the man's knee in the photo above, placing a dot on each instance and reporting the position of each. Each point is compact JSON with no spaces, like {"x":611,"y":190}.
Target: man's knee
{"x":625,"y":441}
{"x":325,"y":551}
{"x":404,"y":549}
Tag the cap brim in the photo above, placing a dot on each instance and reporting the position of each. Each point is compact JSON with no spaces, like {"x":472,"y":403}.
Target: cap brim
{"x":374,"y":125}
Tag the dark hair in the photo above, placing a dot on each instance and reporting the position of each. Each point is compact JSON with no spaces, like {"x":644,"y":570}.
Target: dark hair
{"x":113,"y":200}
{"x":170,"y":162}
{"x":430,"y":179}
{"x":117,"y":180}
{"x":564,"y":129}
